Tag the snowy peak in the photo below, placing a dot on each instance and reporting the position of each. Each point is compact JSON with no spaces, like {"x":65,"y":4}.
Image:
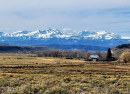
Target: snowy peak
{"x":108,"y":35}
{"x":98,"y":35}
{"x":101,"y":32}
{"x":55,"y":33}
{"x":50,"y":33}
{"x":55,"y":36}
{"x":21,"y":32}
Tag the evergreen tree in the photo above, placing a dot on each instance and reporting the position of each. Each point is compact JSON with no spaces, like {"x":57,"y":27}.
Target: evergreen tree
{"x":109,"y":55}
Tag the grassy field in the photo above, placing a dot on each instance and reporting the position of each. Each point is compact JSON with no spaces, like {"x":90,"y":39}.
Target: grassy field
{"x":28,"y":74}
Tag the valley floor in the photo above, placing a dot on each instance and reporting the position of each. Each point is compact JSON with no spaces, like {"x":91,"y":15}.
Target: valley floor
{"x":28,"y":74}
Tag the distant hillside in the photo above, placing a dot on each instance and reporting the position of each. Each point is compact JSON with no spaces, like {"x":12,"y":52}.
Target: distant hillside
{"x":83,"y":48}
{"x":123,"y":46}
{"x":20,"y":49}
{"x":4,"y":44}
{"x":118,"y":50}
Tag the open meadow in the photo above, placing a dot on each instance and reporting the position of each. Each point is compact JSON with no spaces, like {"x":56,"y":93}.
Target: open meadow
{"x":28,"y":74}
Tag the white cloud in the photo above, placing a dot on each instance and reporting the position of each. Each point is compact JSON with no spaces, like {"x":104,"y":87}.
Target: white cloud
{"x":59,"y":5}
{"x":76,"y":14}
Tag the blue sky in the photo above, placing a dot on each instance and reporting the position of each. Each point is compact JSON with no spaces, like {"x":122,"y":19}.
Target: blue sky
{"x":69,"y":15}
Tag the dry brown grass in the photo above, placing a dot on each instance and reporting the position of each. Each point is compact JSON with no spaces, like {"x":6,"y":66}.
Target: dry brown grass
{"x":21,"y":74}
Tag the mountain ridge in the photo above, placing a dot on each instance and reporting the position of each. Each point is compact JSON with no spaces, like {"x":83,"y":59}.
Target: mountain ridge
{"x":58,"y":32}
{"x":55,"y":36}
{"x":5,"y":48}
{"x":83,"y":48}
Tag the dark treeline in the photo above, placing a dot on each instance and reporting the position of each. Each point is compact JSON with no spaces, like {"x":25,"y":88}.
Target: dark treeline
{"x":70,"y":54}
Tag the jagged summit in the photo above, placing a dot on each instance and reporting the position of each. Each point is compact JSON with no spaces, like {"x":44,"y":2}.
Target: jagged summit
{"x":51,"y":33}
{"x":55,"y":36}
{"x":21,"y":32}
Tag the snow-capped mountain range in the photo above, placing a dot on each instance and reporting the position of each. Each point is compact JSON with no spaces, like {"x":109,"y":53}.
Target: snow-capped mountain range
{"x":55,"y":36}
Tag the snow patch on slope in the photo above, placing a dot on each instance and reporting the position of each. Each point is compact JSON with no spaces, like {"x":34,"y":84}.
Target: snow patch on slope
{"x":55,"y":33}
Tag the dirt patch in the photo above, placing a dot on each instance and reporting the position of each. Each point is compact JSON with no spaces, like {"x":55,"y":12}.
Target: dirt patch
{"x":112,"y":67}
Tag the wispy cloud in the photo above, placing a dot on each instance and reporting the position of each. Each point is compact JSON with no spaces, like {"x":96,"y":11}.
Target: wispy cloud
{"x":109,"y":15}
